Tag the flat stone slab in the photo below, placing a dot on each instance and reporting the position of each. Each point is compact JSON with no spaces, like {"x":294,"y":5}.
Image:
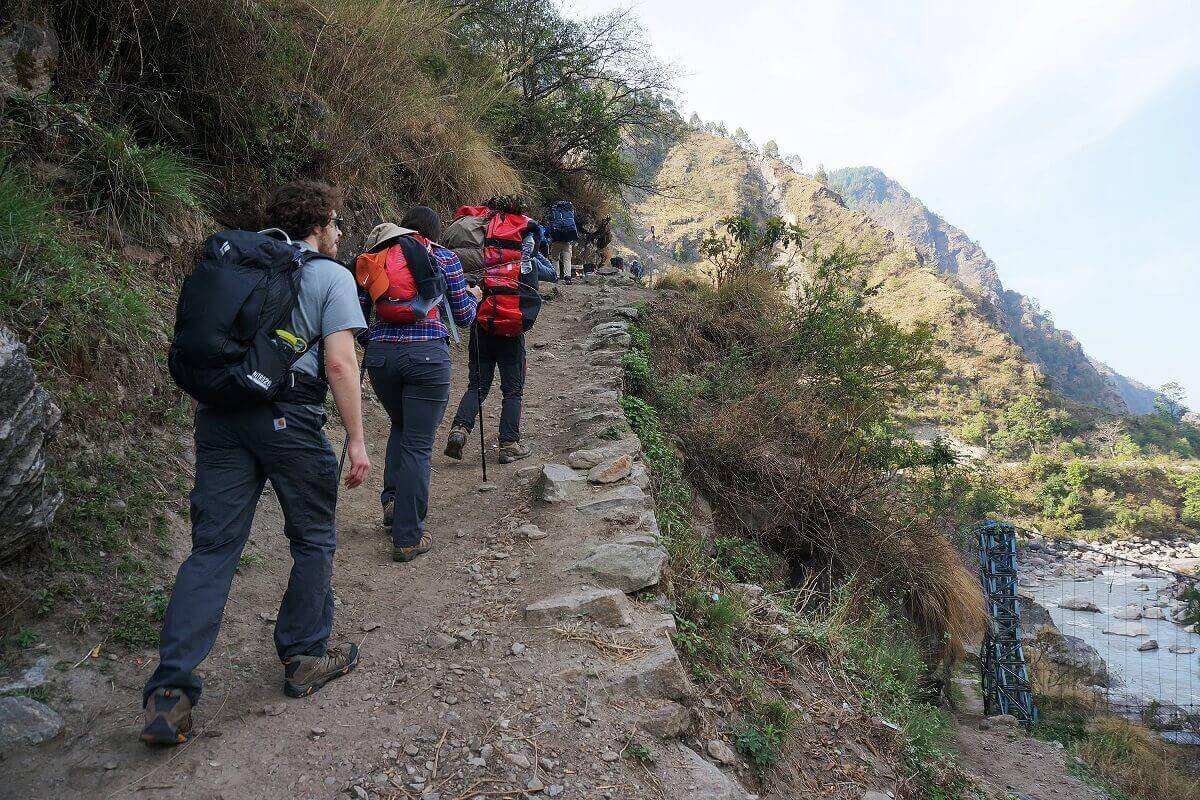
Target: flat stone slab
{"x":1131,"y":629}
{"x":558,"y":483}
{"x":658,"y":674}
{"x":707,"y":782}
{"x":611,"y":471}
{"x":628,"y":567}
{"x":586,"y":459}
{"x":607,"y":606}
{"x":623,"y":497}
{"x":24,"y":720}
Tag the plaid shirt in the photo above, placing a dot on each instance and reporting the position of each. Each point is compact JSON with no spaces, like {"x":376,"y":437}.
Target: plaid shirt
{"x":462,"y":305}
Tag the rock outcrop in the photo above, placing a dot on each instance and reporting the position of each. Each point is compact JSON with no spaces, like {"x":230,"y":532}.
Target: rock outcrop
{"x":28,"y":56}
{"x":28,"y":418}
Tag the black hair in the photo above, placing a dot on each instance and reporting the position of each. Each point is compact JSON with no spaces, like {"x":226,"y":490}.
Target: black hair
{"x":507,"y":203}
{"x":425,"y":221}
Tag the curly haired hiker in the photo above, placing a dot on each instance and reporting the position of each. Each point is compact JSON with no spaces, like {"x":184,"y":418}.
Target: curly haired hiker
{"x":498,"y":240}
{"x":405,"y":274}
{"x":262,"y":390}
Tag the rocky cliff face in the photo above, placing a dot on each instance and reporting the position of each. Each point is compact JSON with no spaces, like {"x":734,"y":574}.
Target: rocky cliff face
{"x":1056,"y":352}
{"x":710,"y":177}
{"x":28,"y":497}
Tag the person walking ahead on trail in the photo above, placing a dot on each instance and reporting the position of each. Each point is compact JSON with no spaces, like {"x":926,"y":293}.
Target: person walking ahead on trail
{"x":261,"y":418}
{"x":498,"y":239}
{"x":408,"y":358}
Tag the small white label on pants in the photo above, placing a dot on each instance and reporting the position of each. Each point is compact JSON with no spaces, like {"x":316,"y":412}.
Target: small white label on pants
{"x":280,"y":423}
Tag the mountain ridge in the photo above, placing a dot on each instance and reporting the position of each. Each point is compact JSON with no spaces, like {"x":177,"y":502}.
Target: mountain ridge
{"x":1069,"y":370}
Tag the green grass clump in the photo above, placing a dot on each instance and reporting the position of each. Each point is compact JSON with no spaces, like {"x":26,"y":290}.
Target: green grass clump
{"x":139,"y":621}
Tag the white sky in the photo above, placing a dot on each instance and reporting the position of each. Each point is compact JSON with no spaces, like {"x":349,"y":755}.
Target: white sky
{"x":1063,"y":136}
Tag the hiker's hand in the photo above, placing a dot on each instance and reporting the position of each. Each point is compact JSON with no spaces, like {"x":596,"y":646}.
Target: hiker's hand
{"x":475,"y":292}
{"x":360,"y":464}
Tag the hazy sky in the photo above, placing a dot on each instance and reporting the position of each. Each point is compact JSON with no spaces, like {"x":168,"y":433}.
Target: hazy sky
{"x":1063,"y":137}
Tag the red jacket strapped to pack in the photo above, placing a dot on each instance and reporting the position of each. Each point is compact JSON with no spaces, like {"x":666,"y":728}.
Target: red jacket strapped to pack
{"x":388,"y":278}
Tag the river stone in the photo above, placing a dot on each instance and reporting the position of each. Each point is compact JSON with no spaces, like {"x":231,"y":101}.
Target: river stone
{"x":1182,"y":649}
{"x":606,"y":606}
{"x":628,"y":567}
{"x":624,"y":497}
{"x":611,"y":471}
{"x":1129,"y":613}
{"x":558,"y":482}
{"x":706,"y":781}
{"x":1079,"y":604}
{"x":28,"y":419}
{"x":1131,"y":629}
{"x":24,"y":720}
{"x":1147,"y":646}
{"x":1153,"y":612}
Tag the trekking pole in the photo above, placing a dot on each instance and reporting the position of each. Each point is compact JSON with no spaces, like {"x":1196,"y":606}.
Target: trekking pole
{"x":479,"y":400}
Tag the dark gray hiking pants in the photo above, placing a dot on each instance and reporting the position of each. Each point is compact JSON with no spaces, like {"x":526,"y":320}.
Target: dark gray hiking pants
{"x":412,"y":380}
{"x":487,"y":353}
{"x":237,"y":452}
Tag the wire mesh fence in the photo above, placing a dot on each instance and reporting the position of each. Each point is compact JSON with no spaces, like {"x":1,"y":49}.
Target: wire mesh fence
{"x":1102,"y":632}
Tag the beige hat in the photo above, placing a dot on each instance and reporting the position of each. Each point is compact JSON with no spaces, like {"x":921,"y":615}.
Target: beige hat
{"x":384,"y":233}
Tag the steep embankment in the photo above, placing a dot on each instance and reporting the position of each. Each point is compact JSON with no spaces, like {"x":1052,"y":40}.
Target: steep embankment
{"x":1060,"y":356}
{"x":709,"y":177}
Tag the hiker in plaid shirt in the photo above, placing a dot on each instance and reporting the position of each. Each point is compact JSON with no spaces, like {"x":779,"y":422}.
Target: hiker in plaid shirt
{"x":410,"y":372}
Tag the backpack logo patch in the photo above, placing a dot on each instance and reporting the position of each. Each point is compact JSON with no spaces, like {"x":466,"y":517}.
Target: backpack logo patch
{"x":225,"y":248}
{"x":280,"y":423}
{"x":258,"y":379}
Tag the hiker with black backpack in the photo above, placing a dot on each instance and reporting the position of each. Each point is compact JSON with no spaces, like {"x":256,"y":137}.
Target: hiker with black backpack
{"x":265,"y":326}
{"x":563,"y":234}
{"x":406,"y":278}
{"x":495,"y":242}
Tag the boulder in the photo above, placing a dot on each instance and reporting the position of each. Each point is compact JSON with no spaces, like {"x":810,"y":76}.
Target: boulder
{"x":666,"y":719}
{"x":721,"y":752}
{"x":24,"y":720}
{"x":658,"y":675}
{"x":1079,"y":604}
{"x":1128,"y":613}
{"x":1148,"y":646}
{"x":558,"y":483}
{"x":1153,"y":613}
{"x":706,"y":781}
{"x":607,"y":606}
{"x":28,"y":419}
{"x":1181,"y":649}
{"x":28,"y":57}
{"x":611,"y":471}
{"x":628,"y":567}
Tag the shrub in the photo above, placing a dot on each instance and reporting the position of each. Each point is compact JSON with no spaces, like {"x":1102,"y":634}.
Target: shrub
{"x":1189,"y":486}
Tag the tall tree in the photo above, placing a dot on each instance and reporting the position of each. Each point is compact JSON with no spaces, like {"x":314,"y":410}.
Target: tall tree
{"x":770,"y":149}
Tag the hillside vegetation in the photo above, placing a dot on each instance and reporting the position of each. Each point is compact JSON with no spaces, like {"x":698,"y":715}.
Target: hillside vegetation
{"x":143,"y":126}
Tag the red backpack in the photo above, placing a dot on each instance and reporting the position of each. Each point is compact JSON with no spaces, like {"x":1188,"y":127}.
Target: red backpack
{"x":510,"y":301}
{"x":387,"y":277}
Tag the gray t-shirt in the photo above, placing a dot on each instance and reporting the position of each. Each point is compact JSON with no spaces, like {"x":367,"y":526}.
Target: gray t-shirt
{"x":327,"y":303}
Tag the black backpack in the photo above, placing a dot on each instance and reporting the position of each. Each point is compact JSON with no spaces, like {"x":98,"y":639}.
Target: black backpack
{"x":228,"y":350}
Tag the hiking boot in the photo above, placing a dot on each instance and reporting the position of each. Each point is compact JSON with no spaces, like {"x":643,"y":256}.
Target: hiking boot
{"x":456,"y":441}
{"x":389,"y":513}
{"x":513,"y":451}
{"x":168,"y":718}
{"x":406,"y":554}
{"x":567,"y":280}
{"x":303,"y":675}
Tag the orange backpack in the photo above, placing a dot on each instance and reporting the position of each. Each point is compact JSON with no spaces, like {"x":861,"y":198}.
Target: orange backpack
{"x":387,"y":277}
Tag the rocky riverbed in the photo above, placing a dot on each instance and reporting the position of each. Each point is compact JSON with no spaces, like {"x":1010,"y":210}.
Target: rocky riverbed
{"x":1115,"y":625}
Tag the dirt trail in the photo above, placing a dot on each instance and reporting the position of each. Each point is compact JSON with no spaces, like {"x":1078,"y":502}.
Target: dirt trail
{"x":448,"y":667}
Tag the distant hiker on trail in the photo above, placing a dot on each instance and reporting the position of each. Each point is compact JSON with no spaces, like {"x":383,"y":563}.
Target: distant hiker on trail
{"x":563,"y":234}
{"x":265,"y":326}
{"x":405,"y":274}
{"x":545,"y":270}
{"x":498,"y":239}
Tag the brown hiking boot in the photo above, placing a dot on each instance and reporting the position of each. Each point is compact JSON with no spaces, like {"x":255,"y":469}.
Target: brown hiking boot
{"x":513,"y":451}
{"x":303,"y":675}
{"x":406,"y":554}
{"x":456,"y":441}
{"x":168,"y":718}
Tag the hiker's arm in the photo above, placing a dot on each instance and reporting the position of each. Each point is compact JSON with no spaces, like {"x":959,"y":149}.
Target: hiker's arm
{"x":342,"y":372}
{"x":462,"y":301}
